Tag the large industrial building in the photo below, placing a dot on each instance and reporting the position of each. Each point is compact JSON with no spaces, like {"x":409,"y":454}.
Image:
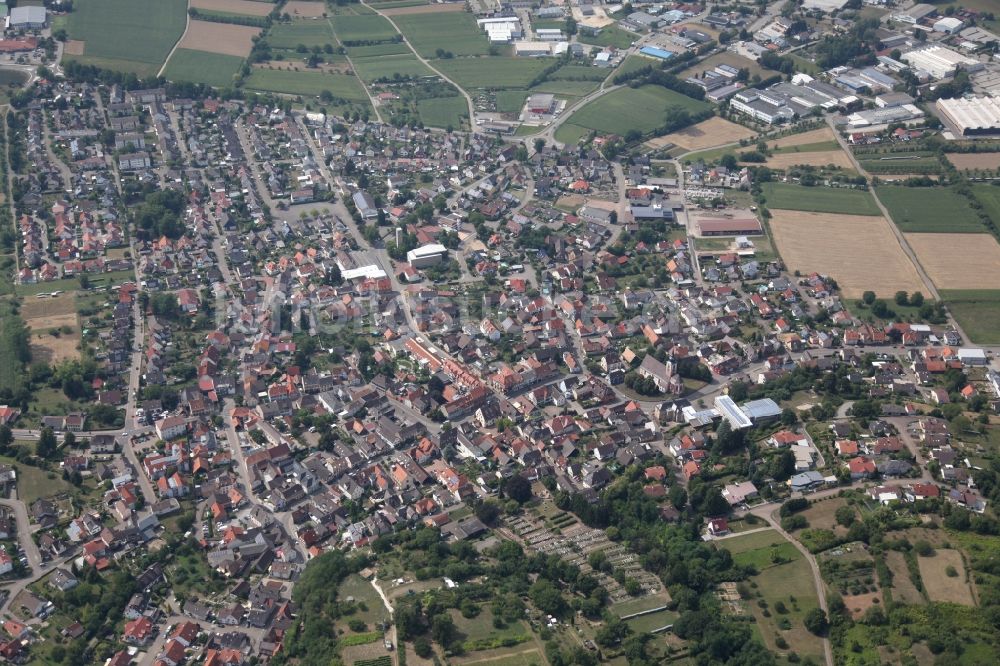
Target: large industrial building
{"x":940,"y":62}
{"x":972,"y":116}
{"x":32,"y":18}
{"x":427,"y":255}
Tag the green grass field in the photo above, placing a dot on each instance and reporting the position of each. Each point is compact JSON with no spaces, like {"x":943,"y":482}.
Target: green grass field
{"x":385,"y":49}
{"x":372,"y":28}
{"x":306,"y":83}
{"x":819,"y":199}
{"x":491,"y":72}
{"x":444,"y":112}
{"x":929,"y":210}
{"x":289,"y":36}
{"x":625,"y":109}
{"x":989,"y":197}
{"x":567,"y":88}
{"x":454,"y":31}
{"x":977,"y":312}
{"x":213,"y":69}
{"x":127,"y":35}
{"x":511,"y":101}
{"x":371,"y":69}
{"x":610,"y":36}
{"x":579,"y":72}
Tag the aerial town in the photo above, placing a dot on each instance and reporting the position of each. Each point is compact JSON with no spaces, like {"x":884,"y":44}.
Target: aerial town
{"x":499,"y":333}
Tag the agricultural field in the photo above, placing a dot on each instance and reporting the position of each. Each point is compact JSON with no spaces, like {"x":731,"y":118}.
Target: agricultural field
{"x":858,"y":251}
{"x":973,"y":161}
{"x":240,"y":7}
{"x":819,"y":158}
{"x":403,"y":7}
{"x":456,"y":32}
{"x":126,"y":35}
{"x":942,"y":587}
{"x":977,"y":312}
{"x":303,"y":8}
{"x":444,"y":112}
{"x":819,"y":199}
{"x":306,"y":83}
{"x":289,"y":36}
{"x":213,"y":69}
{"x":384,"y":49}
{"x":625,"y":109}
{"x":370,"y":28}
{"x":878,"y":163}
{"x":387,"y":67}
{"x":958,"y":261}
{"x":803,"y":138}
{"x":989,"y":197}
{"x":491,"y":72}
{"x":715,"y":131}
{"x":221,"y":38}
{"x":929,"y":210}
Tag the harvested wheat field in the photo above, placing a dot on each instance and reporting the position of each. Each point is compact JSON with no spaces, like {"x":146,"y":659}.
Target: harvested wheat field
{"x":245,"y":7}
{"x":234,"y":40}
{"x":74,"y":47}
{"x":707,"y":134}
{"x":859,"y":251}
{"x":812,"y":136}
{"x":818,"y":158}
{"x":958,"y":261}
{"x":969,"y":161}
{"x":301,"y":8}
{"x":940,"y":586}
{"x":424,"y":9}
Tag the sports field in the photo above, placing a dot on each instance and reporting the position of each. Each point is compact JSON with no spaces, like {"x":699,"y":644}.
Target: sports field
{"x":958,"y":261}
{"x":386,"y":67}
{"x":126,"y":35}
{"x":212,"y":69}
{"x":456,"y":32}
{"x":819,"y":199}
{"x":306,"y":83}
{"x":370,"y":28}
{"x":715,"y":131}
{"x":491,"y":72}
{"x":307,"y":33}
{"x":625,"y":109}
{"x":929,"y":210}
{"x":444,"y":112}
{"x":977,"y":312}
{"x":859,"y":251}
{"x":224,"y":38}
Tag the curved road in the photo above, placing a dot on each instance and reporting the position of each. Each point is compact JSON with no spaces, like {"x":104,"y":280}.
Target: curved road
{"x":187,"y":26}
{"x":475,"y":129}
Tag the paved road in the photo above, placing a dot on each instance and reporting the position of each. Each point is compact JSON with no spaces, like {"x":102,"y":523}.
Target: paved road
{"x":24,"y":533}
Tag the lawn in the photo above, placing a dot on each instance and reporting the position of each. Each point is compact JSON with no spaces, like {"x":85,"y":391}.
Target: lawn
{"x":977,"y":312}
{"x":480,"y":634}
{"x":624,"y":109}
{"x":652,"y":621}
{"x":989,"y":197}
{"x":511,"y":101}
{"x":70,"y":284}
{"x":610,"y":36}
{"x":213,"y":69}
{"x":371,"y":28}
{"x":492,"y":72}
{"x":567,"y":88}
{"x":751,"y":542}
{"x":819,"y":199}
{"x":579,"y":72}
{"x":792,"y":585}
{"x":370,"y":608}
{"x":34,"y":483}
{"x":456,"y":32}
{"x":929,"y":210}
{"x":444,"y":112}
{"x":387,"y":66}
{"x":307,"y":33}
{"x":306,"y":83}
{"x":127,"y":35}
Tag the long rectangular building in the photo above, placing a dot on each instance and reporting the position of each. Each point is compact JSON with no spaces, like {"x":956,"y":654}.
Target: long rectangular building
{"x":973,"y":116}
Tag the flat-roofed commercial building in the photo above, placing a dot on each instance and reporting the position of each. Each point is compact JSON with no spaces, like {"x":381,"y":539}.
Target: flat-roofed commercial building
{"x":972,"y":116}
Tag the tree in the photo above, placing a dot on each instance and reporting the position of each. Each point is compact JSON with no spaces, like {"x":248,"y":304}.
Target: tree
{"x":916,"y":299}
{"x":816,"y":622}
{"x":788,"y":417}
{"x":902,"y":298}
{"x":423,"y":648}
{"x":845,"y":515}
{"x":488,"y":512}
{"x":47,"y":444}
{"x":443,"y":629}
{"x":518,"y":489}
{"x":868,"y":297}
{"x":6,"y":436}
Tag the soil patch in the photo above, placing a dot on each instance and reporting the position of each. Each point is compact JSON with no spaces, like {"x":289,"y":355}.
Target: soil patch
{"x":958,"y":261}
{"x":224,"y":38}
{"x":812,"y":136}
{"x":707,"y":134}
{"x":74,"y":47}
